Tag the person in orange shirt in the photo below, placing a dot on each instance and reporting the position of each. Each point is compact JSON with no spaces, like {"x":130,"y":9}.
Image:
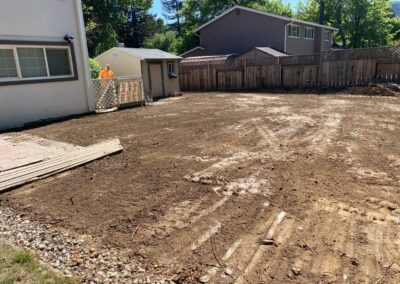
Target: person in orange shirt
{"x":106,"y":72}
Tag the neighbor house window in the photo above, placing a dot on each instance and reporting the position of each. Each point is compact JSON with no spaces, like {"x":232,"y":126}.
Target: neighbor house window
{"x":294,"y":31}
{"x":327,"y":36}
{"x":8,"y":67}
{"x":309,"y":33}
{"x":26,"y":63}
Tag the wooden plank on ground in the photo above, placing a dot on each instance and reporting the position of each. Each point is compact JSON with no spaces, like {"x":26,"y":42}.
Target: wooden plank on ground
{"x":29,"y":173}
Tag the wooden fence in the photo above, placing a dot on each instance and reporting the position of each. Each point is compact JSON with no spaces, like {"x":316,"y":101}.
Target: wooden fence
{"x":329,"y":69}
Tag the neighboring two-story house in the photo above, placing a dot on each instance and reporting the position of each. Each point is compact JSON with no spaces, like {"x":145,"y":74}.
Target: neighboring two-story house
{"x":240,"y":29}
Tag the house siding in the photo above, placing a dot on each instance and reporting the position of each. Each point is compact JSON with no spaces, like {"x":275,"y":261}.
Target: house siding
{"x":44,"y":21}
{"x":301,"y":45}
{"x":238,"y":33}
{"x":240,"y":30}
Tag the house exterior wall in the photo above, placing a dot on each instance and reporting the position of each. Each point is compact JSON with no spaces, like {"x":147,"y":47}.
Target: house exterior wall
{"x":298,"y":46}
{"x":50,"y":21}
{"x":122,"y":63}
{"x":301,"y":45}
{"x":239,"y":32}
{"x":170,"y":84}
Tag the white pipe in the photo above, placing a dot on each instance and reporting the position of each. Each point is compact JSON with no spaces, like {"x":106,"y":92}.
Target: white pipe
{"x":285,"y":48}
{"x":85,"y":56}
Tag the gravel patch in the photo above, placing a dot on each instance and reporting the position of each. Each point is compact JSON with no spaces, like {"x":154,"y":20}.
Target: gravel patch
{"x":69,"y":255}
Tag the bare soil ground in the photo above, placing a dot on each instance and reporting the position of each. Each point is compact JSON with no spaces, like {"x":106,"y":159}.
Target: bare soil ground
{"x":205,"y":178}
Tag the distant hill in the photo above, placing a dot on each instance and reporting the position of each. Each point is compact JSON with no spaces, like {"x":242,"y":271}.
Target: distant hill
{"x":396,"y":8}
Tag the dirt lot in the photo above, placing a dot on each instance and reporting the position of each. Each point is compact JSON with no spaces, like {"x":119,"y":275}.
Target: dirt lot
{"x":205,"y":178}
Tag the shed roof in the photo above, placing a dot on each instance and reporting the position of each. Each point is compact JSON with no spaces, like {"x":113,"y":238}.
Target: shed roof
{"x":271,"y":51}
{"x":147,"y":53}
{"x":265,"y":14}
{"x":207,"y":58}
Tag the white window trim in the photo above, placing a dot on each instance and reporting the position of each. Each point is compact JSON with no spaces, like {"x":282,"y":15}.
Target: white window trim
{"x":293,"y":25}
{"x":173,"y":67}
{"x":330,"y":36}
{"x":313,"y":33}
{"x":44,"y":47}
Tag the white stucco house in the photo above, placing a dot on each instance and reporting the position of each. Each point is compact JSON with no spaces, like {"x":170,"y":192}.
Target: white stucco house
{"x":44,"y":70}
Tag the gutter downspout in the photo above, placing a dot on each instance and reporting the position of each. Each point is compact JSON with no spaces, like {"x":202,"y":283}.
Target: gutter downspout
{"x":286,"y":35}
{"x":85,"y":57}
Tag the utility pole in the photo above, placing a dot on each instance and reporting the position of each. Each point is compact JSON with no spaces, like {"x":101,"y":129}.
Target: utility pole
{"x":321,"y":12}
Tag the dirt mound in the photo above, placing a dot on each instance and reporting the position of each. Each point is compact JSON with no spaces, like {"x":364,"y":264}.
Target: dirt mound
{"x":389,"y":90}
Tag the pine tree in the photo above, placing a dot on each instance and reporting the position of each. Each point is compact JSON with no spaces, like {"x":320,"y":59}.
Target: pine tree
{"x":172,"y":10}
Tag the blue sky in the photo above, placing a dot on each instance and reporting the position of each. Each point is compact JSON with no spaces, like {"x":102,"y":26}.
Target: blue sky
{"x":157,"y":7}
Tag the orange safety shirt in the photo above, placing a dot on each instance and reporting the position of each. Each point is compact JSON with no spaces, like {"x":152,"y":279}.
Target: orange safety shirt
{"x":106,"y":74}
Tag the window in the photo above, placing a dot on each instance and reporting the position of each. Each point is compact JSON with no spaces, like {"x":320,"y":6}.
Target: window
{"x":31,"y":63}
{"x":8,"y":68}
{"x":171,"y":68}
{"x":327,"y":36}
{"x":309,"y":33}
{"x":58,"y":62}
{"x":294,"y":31}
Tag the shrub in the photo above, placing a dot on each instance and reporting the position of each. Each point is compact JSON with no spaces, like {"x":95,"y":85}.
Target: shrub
{"x":95,"y":68}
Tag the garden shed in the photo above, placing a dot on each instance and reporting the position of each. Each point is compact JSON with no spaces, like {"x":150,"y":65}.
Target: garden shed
{"x":159,"y":69}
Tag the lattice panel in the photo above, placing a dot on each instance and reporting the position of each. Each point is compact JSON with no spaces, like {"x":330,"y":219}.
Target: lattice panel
{"x":105,"y":93}
{"x":311,"y":59}
{"x":383,"y":53}
{"x":261,"y":61}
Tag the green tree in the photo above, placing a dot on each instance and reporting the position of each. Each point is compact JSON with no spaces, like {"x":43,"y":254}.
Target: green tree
{"x":139,"y":23}
{"x":165,"y":41}
{"x":109,"y":22}
{"x":361,"y":23}
{"x":172,"y":13}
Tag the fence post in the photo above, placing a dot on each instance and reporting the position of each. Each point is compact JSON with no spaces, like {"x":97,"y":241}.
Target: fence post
{"x":280,"y":68}
{"x":321,"y":64}
{"x":208,"y":76}
{"x":245,"y":73}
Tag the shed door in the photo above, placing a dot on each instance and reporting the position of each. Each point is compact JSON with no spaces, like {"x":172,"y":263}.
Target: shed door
{"x":156,"y":80}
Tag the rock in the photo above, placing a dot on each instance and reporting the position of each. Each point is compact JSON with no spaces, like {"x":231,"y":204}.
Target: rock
{"x":268,"y":242}
{"x":205,"y":279}
{"x":296,"y":271}
{"x":195,"y":179}
{"x":228,"y":271}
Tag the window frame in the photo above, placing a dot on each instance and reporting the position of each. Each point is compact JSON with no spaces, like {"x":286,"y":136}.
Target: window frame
{"x":14,"y":44}
{"x":290,"y":28}
{"x":329,"y":33}
{"x":173,"y":67}
{"x":305,"y":33}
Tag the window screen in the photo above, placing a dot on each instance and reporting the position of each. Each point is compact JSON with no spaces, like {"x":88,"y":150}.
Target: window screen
{"x":58,"y":61}
{"x":32,"y":62}
{"x":8,"y":68}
